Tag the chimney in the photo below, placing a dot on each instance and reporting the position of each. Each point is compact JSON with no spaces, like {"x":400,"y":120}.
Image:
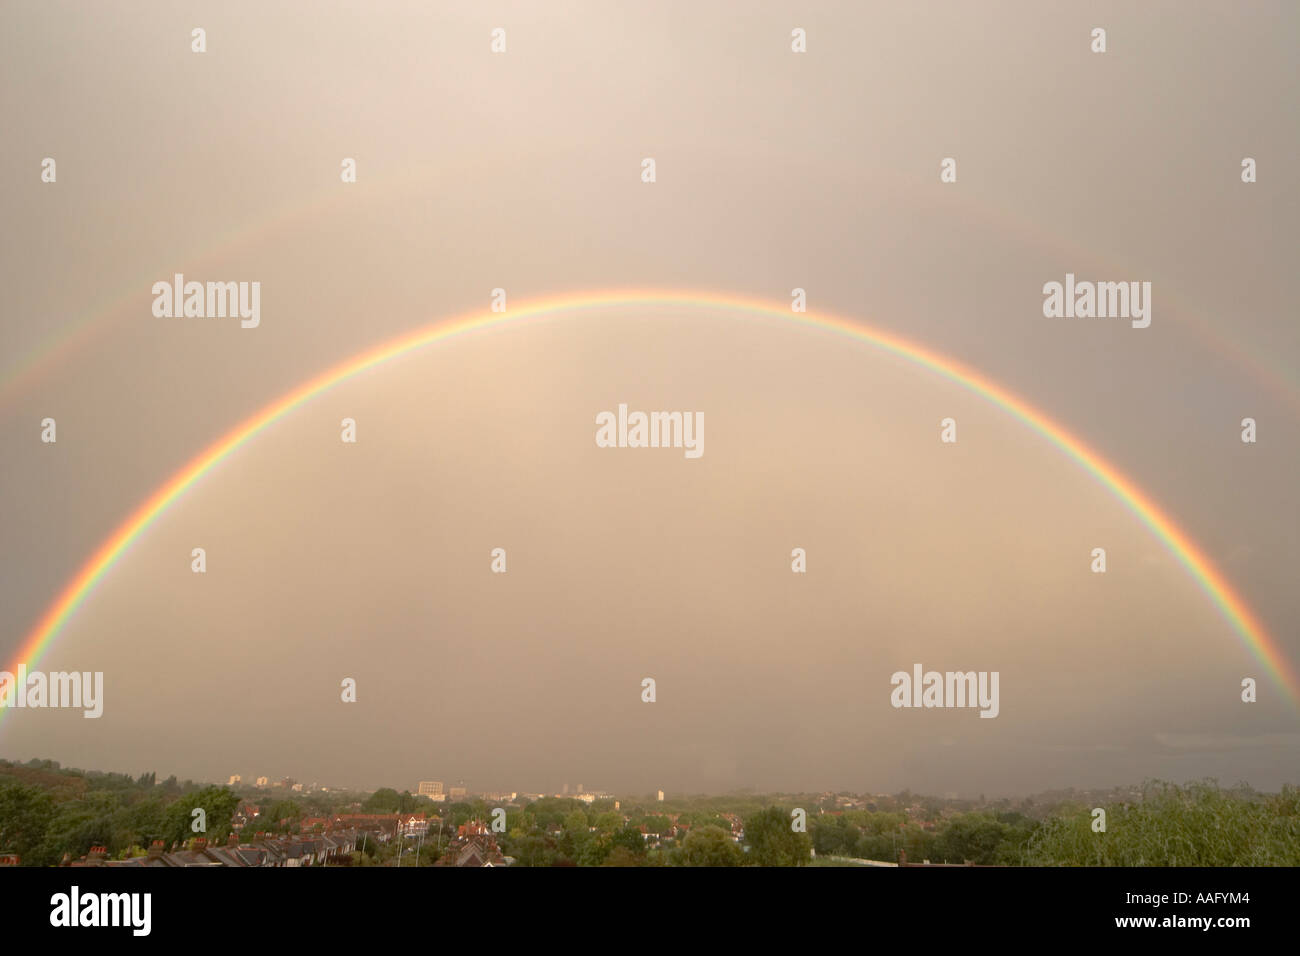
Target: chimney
{"x":156,"y":850}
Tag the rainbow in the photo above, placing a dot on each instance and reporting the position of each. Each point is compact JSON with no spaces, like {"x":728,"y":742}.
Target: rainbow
{"x":1263,"y":367}
{"x":1229,"y":604}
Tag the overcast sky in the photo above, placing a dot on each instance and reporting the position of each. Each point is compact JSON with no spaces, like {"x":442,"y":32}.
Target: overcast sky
{"x":775,"y":170}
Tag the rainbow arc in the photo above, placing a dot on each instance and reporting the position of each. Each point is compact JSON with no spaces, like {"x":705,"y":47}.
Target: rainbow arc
{"x":1230,"y":605}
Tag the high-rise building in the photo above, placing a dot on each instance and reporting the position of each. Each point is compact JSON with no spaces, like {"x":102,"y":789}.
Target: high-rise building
{"x":661,"y":796}
{"x":430,"y":788}
{"x":234,"y":779}
{"x":457,"y":793}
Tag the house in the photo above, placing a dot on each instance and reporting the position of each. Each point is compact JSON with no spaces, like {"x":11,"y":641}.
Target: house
{"x":301,"y":850}
{"x":478,"y":849}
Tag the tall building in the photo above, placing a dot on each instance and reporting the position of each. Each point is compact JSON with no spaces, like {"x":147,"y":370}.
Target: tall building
{"x":234,"y":779}
{"x":430,"y":788}
{"x":661,"y":796}
{"x":457,"y":793}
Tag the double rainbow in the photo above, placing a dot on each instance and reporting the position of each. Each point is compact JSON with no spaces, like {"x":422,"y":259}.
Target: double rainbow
{"x":1229,"y":603}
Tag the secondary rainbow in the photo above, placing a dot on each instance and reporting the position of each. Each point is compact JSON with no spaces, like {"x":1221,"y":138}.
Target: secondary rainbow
{"x":1229,"y":604}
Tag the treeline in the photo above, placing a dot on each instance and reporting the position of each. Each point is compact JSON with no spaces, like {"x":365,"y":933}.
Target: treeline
{"x":983,"y":838}
{"x":1196,"y":825}
{"x":563,"y":832}
{"x":1200,"y":824}
{"x":48,"y":814}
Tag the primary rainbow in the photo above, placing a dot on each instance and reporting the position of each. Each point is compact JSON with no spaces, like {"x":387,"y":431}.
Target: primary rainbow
{"x":1230,"y":604}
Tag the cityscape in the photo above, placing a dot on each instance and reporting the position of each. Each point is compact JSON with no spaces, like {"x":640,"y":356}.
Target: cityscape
{"x":55,"y":816}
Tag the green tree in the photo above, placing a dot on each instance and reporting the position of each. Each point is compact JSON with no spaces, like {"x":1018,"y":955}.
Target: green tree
{"x":971,"y":836}
{"x":1197,"y":825}
{"x":25,"y":815}
{"x":622,"y":856}
{"x":383,"y":800}
{"x":218,"y":805}
{"x":772,"y":842}
{"x":709,"y":846}
{"x":630,"y":839}
{"x":280,"y":817}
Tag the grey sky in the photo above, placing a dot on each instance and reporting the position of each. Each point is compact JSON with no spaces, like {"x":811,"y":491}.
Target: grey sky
{"x":775,"y":170}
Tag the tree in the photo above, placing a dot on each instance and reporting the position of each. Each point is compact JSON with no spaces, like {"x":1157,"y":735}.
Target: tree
{"x":280,"y":817}
{"x":218,"y":805}
{"x":594,"y":850}
{"x":772,"y":842}
{"x":834,"y":836}
{"x":383,"y":800}
{"x":1197,"y":825}
{"x":709,"y":846}
{"x":25,"y":815}
{"x":622,"y":856}
{"x":630,"y":839}
{"x":971,"y":836}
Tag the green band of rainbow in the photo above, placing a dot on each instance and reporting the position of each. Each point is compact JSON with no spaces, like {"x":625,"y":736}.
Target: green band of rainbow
{"x":1233,"y":608}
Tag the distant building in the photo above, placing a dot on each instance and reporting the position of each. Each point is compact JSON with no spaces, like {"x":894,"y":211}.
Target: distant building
{"x":661,"y":796}
{"x":457,"y":793}
{"x":430,"y":788}
{"x":263,"y":781}
{"x":234,"y":779}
